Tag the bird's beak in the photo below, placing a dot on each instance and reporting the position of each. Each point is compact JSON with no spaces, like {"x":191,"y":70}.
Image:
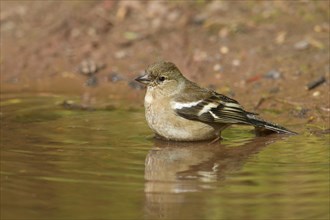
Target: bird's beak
{"x":144,"y":79}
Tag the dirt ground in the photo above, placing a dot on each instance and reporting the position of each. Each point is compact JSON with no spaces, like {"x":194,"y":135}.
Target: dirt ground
{"x":262,"y":53}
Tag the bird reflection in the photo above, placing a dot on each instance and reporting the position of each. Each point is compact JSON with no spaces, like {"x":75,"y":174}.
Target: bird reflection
{"x":174,"y":168}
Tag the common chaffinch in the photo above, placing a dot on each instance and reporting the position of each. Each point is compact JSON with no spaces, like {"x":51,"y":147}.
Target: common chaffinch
{"x":178,"y":109}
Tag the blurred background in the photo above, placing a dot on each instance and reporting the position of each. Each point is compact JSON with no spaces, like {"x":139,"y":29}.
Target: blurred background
{"x":74,"y":140}
{"x":262,"y":53}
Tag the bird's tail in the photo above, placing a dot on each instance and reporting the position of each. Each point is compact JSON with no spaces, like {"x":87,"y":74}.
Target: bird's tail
{"x":263,"y":126}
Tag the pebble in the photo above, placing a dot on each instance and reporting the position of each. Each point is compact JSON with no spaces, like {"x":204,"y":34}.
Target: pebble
{"x":92,"y":81}
{"x":89,"y":67}
{"x":301,"y":45}
{"x":224,"y":50}
{"x":199,"y":19}
{"x":200,"y":56}
{"x":273,"y":74}
{"x":69,"y":104}
{"x":236,"y":62}
{"x":325,"y":109}
{"x":324,"y":27}
{"x":316,"y":93}
{"x":217,"y":67}
{"x":114,"y":77}
{"x":121,"y":54}
{"x":280,"y":38}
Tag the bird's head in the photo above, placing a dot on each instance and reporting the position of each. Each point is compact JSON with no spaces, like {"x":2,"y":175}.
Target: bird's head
{"x":163,"y":75}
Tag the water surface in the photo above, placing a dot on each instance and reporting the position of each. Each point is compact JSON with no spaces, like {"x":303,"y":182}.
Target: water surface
{"x":72,"y":164}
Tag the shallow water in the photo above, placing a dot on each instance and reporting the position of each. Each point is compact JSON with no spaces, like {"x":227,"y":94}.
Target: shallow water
{"x":71,"y":164}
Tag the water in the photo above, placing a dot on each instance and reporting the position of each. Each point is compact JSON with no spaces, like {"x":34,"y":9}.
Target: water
{"x":71,"y":164}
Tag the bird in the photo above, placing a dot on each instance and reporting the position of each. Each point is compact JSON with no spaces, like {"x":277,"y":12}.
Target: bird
{"x":177,"y":109}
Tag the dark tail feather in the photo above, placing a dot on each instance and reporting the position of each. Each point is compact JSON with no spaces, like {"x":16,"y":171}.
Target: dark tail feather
{"x":266,"y":127}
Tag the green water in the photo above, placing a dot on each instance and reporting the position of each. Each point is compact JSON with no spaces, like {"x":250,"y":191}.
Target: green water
{"x":72,"y":164}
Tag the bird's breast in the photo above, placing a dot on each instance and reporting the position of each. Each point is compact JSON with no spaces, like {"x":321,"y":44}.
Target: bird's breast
{"x":148,"y":98}
{"x":163,"y":120}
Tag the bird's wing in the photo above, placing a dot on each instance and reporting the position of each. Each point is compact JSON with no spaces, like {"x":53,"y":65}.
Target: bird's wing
{"x":212,"y":108}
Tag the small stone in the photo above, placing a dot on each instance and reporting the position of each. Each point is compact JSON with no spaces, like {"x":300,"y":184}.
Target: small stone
{"x":224,"y":50}
{"x":200,"y":56}
{"x":316,"y":93}
{"x":69,"y":104}
{"x":89,"y":67}
{"x":121,"y":54}
{"x":273,"y":74}
{"x":199,"y":19}
{"x":324,"y":27}
{"x":301,"y":45}
{"x":92,"y":81}
{"x":217,"y":67}
{"x":236,"y":62}
{"x":114,"y":77}
{"x":280,"y":38}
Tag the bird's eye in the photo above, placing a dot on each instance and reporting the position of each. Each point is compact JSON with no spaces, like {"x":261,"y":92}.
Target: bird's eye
{"x":161,"y":79}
